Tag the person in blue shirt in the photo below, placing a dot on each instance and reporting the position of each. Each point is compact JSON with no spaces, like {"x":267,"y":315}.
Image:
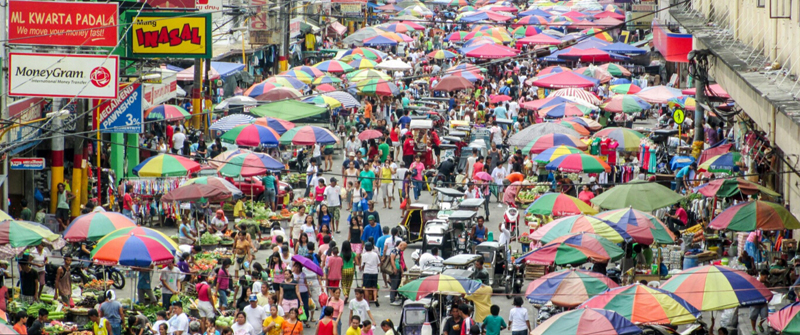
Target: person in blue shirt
{"x":404,"y":120}
{"x":682,"y":177}
{"x":373,"y":229}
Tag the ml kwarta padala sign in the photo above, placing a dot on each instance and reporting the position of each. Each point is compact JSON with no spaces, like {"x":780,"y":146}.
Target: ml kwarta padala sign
{"x":175,"y":35}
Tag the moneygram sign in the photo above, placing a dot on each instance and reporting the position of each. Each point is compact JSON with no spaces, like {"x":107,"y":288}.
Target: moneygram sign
{"x":171,"y":35}
{"x":124,"y":114}
{"x":63,"y":76}
{"x":63,"y":23}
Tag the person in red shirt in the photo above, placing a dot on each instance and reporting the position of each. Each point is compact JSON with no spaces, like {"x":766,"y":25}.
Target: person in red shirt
{"x":477,"y":167}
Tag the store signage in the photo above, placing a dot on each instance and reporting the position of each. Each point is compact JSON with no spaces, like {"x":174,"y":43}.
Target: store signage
{"x":124,"y":114}
{"x":678,"y":116}
{"x":177,"y":35}
{"x":63,"y":75}
{"x":34,"y":163}
{"x":76,"y":24}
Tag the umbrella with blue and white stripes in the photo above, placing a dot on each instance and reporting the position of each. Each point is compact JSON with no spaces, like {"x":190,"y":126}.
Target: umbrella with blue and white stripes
{"x":231,"y":121}
{"x":347,"y":99}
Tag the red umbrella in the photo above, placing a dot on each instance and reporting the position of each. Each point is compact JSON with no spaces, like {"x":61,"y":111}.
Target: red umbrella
{"x":587,"y":55}
{"x":539,"y":39}
{"x":452,"y":83}
{"x":369,"y":134}
{"x":565,"y":80}
{"x":491,"y":51}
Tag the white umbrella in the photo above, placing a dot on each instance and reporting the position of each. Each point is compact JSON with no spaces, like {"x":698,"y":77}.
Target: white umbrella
{"x":394,"y":65}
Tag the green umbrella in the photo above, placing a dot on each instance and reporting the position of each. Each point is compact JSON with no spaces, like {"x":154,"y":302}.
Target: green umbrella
{"x":639,"y":194}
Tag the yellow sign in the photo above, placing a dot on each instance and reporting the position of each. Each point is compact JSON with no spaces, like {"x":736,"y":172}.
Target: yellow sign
{"x":678,"y":116}
{"x":183,"y":35}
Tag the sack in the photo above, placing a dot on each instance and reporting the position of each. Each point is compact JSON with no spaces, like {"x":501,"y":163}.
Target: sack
{"x":386,"y":265}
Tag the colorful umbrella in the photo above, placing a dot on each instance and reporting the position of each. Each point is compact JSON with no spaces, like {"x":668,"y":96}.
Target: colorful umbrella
{"x":625,"y":104}
{"x":94,"y":226}
{"x":639,"y":194}
{"x":377,"y":87}
{"x":299,"y":75}
{"x":525,"y":31}
{"x":18,"y":233}
{"x":659,"y":94}
{"x":166,"y":112}
{"x":548,"y":141}
{"x":260,"y":88}
{"x":631,"y":217}
{"x":645,"y":305}
{"x":251,"y":135}
{"x":752,"y":215}
{"x":133,"y":250}
{"x":566,"y":80}
{"x":714,"y":288}
{"x":580,"y":224}
{"x":423,"y":287}
{"x":279,"y":93}
{"x":311,"y":71}
{"x":625,"y":89}
{"x":628,"y":139}
{"x":564,"y":110}
{"x":574,"y":249}
{"x":558,"y":204}
{"x":364,"y":52}
{"x":309,"y":135}
{"x":441,"y":54}
{"x":578,"y":163}
{"x":166,"y":165}
{"x":722,"y":163}
{"x":278,"y":125}
{"x":568,"y":288}
{"x":367,"y":74}
{"x":616,"y":70}
{"x":785,"y":321}
{"x":326,"y":79}
{"x":724,"y":188}
{"x":362,"y":63}
{"x":554,"y":152}
{"x":285,"y":81}
{"x":577,"y":127}
{"x":587,"y":321}
{"x":333,"y":66}
{"x":249,"y":164}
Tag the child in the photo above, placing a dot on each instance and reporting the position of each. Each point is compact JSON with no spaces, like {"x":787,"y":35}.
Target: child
{"x":493,"y":324}
{"x":366,"y":328}
{"x":354,"y":328}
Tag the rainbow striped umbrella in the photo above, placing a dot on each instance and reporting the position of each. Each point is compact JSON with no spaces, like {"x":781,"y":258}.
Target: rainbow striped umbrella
{"x":566,"y":109}
{"x":251,"y":135}
{"x":722,"y":163}
{"x":313,"y":72}
{"x":260,"y":88}
{"x":625,"y":89}
{"x":423,"y":287}
{"x":333,"y":66}
{"x":574,"y":249}
{"x":327,"y":79}
{"x":94,"y":226}
{"x":366,"y":74}
{"x":362,"y":63}
{"x":580,"y":224}
{"x":249,"y":164}
{"x":548,"y":141}
{"x":752,"y":215}
{"x":552,"y":153}
{"x":309,"y":135}
{"x":442,"y":54}
{"x":131,"y":249}
{"x":285,"y":81}
{"x":587,"y":321}
{"x":628,"y":139}
{"x":299,"y":75}
{"x":568,"y":288}
{"x":629,"y":217}
{"x":558,"y":204}
{"x":18,"y":233}
{"x":624,"y":103}
{"x":645,"y":305}
{"x":714,"y":288}
{"x":166,"y":165}
{"x":166,"y":112}
{"x":278,"y":125}
{"x":524,"y":31}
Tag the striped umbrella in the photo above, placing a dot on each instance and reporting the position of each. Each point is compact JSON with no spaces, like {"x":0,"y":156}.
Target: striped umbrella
{"x":166,"y":165}
{"x":261,"y":88}
{"x":18,"y":233}
{"x":311,"y":71}
{"x":554,"y":152}
{"x":309,"y":135}
{"x":587,"y":321}
{"x":278,"y":125}
{"x":299,"y":75}
{"x":628,"y":139}
{"x":93,"y":226}
{"x":252,"y":135}
{"x":625,"y":89}
{"x":333,"y":66}
{"x":166,"y":112}
{"x":645,"y":305}
{"x":714,"y":288}
{"x":568,"y":288}
{"x":230,"y":121}
{"x":347,"y":100}
{"x":362,"y":63}
{"x":545,"y":142}
{"x":580,"y":224}
{"x":285,"y":81}
{"x":249,"y":164}
{"x":574,"y":249}
{"x":558,"y":204}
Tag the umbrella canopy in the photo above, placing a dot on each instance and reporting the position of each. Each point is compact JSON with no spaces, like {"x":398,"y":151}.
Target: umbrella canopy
{"x":377,"y":87}
{"x":539,"y":39}
{"x":580,"y":224}
{"x":362,"y":63}
{"x":628,"y":139}
{"x":558,"y":204}
{"x":94,"y":226}
{"x":576,"y":93}
{"x":309,"y":135}
{"x":714,"y":288}
{"x":554,"y":152}
{"x":568,"y":288}
{"x":578,"y":163}
{"x":308,"y":264}
{"x":645,"y":305}
{"x":251,"y":135}
{"x":441,"y":54}
{"x":587,"y":321}
{"x":544,"y":142}
{"x":261,"y":88}
{"x":564,"y":110}
{"x":726,"y":163}
{"x":367,"y":74}
{"x":422,"y":287}
{"x":566,"y":80}
{"x":579,"y":128}
{"x":639,"y":194}
{"x":752,"y":215}
{"x":166,"y":165}
{"x":166,"y":112}
{"x":452,"y":83}
{"x":285,"y":81}
{"x":231,"y":121}
{"x":786,"y":320}
{"x":18,"y":233}
{"x":278,"y":125}
{"x":659,"y":94}
{"x":574,"y":249}
{"x":211,"y":188}
{"x":133,"y":250}
{"x":534,"y":131}
{"x":724,"y":188}
{"x":628,"y":218}
{"x":491,"y":51}
{"x":625,"y":89}
{"x":333,"y":66}
{"x":279,"y":93}
{"x":249,"y":164}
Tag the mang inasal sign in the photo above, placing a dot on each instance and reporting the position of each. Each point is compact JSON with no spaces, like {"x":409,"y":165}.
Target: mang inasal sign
{"x":182,"y":35}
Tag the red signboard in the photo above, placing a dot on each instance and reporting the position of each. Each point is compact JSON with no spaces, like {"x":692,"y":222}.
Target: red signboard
{"x":63,"y":23}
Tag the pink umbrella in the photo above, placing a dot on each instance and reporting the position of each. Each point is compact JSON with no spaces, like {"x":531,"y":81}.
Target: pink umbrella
{"x":483,"y":176}
{"x":491,"y":51}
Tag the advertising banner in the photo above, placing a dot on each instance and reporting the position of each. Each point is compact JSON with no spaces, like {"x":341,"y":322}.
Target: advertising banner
{"x":63,"y":76}
{"x":78,"y":24}
{"x":123,"y":114}
{"x":34,"y":163}
{"x":177,"y":35}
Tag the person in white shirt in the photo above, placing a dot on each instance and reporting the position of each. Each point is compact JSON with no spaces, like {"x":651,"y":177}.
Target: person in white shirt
{"x":428,"y":259}
{"x":177,"y":141}
{"x":518,"y":320}
{"x":255,"y":313}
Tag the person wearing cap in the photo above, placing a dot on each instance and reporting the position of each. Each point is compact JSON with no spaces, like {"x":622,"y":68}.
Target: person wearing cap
{"x":220,"y":222}
{"x":254,"y":313}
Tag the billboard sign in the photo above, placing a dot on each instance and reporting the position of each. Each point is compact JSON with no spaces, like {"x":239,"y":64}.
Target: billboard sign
{"x":124,"y":114}
{"x":78,"y":24}
{"x":176,"y":35}
{"x":32,"y":163}
{"x":63,"y":75}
